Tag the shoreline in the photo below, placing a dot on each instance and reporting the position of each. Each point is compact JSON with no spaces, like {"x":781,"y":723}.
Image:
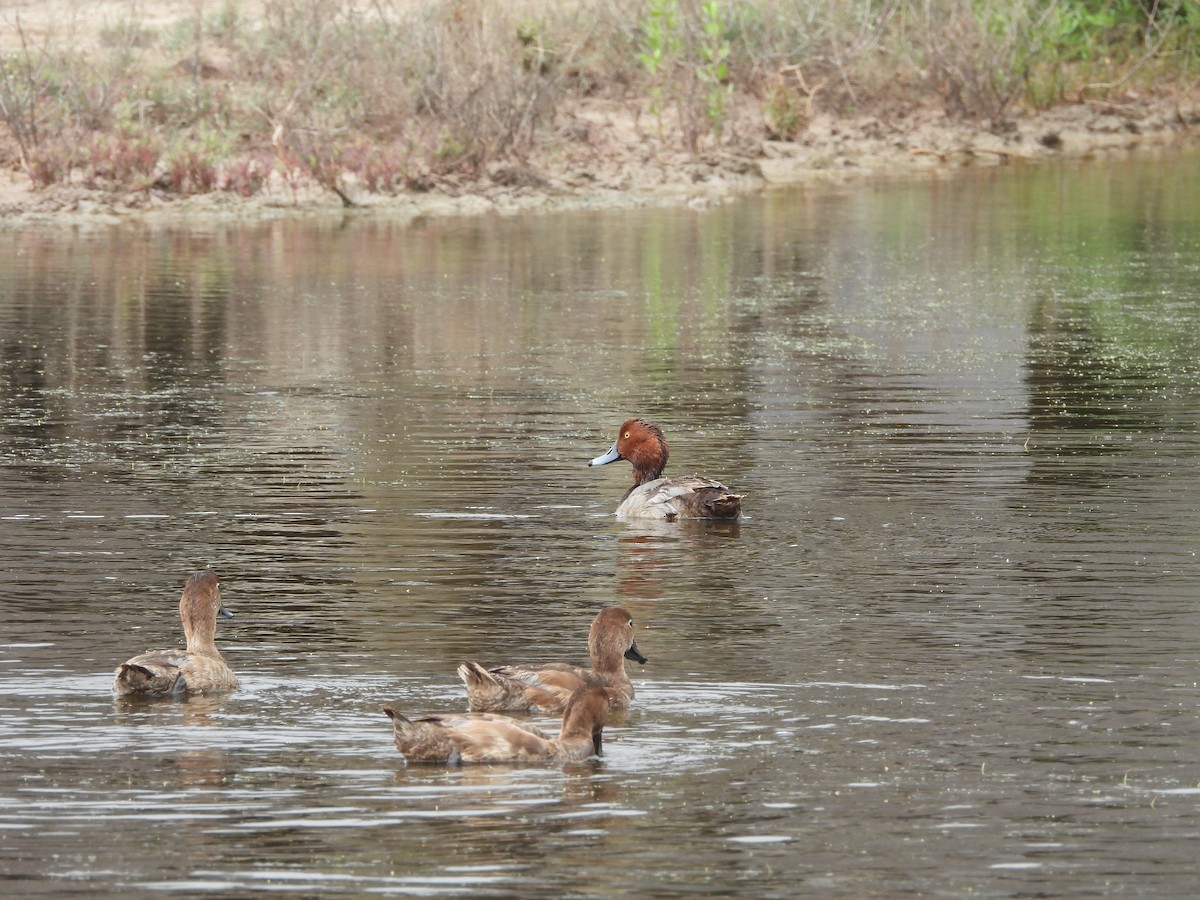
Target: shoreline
{"x":630,"y":170}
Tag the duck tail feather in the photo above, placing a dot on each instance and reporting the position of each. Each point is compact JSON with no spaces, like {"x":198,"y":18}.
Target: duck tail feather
{"x":132,"y":677}
{"x":727,"y":506}
{"x":396,"y":717}
{"x":475,"y":675}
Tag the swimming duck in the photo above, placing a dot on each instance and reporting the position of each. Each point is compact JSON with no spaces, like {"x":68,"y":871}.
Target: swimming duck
{"x":487,"y":737}
{"x":199,"y":669}
{"x":652,"y":495}
{"x":550,"y":686}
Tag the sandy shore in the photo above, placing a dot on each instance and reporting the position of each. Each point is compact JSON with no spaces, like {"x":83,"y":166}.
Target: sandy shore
{"x":615,"y":162}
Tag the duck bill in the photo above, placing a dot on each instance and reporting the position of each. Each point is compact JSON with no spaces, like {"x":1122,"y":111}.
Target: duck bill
{"x":224,"y":613}
{"x":611,"y":456}
{"x":634,"y":654}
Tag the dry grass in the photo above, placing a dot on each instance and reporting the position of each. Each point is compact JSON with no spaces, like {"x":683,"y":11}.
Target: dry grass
{"x":392,"y":96}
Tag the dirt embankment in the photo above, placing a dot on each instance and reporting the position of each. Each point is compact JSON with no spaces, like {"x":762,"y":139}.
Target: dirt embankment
{"x":621,"y":167}
{"x":608,"y":153}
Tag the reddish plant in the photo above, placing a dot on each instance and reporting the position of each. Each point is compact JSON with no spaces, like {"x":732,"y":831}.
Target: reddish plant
{"x":245,"y":175}
{"x":123,"y":161}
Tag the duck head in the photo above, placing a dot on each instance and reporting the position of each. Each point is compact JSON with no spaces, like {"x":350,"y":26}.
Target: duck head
{"x":611,"y":638}
{"x":643,"y":444}
{"x":199,"y":607}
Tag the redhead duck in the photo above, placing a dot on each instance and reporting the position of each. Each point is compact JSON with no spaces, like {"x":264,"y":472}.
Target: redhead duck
{"x":486,"y":737}
{"x":197,"y":670}
{"x":655,"y":497}
{"x":550,"y":686}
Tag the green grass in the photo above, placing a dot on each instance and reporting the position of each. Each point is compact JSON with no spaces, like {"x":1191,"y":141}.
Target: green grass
{"x":386,"y":95}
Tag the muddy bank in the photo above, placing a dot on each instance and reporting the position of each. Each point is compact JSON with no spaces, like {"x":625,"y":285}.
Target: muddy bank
{"x":614,"y":162}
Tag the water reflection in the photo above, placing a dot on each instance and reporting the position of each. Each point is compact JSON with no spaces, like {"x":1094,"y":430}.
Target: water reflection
{"x":949,"y":650}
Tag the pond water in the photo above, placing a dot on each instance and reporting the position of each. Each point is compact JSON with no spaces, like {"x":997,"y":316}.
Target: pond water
{"x":951,"y":649}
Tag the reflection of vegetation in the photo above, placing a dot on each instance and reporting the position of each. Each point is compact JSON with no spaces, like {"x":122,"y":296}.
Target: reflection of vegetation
{"x":1117,"y":319}
{"x":1102,"y":362}
{"x":1109,"y":245}
{"x":300,"y":305}
{"x":1075,"y":380}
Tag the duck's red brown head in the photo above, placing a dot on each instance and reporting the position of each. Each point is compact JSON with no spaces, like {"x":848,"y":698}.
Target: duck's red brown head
{"x":643,"y":444}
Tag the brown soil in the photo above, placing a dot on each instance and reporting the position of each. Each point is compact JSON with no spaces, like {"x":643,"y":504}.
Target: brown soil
{"x":607,"y":154}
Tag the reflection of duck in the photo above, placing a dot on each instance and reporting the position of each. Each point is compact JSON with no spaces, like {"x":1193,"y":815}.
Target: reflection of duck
{"x":550,"y":686}
{"x":652,"y":495}
{"x":202,"y":769}
{"x":487,"y":737}
{"x":193,"y":709}
{"x":197,"y":670}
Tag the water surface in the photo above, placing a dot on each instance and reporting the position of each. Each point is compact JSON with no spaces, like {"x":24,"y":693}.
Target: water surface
{"x":951,"y":649}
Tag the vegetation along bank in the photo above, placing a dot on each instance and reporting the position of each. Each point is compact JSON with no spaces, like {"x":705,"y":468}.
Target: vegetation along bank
{"x":113,"y":108}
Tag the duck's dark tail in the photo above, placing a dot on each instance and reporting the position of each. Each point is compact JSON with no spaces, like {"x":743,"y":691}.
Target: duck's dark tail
{"x":492,"y":691}
{"x":476,"y":677}
{"x":396,"y":717}
{"x":726,"y":506}
{"x":134,"y":679}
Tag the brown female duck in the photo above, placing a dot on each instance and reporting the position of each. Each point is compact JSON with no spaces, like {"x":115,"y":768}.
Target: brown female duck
{"x":548,"y":687}
{"x":199,"y":669}
{"x":485,"y":737}
{"x":652,"y":495}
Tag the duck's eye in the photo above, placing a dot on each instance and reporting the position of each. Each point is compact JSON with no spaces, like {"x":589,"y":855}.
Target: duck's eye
{"x":626,"y":435}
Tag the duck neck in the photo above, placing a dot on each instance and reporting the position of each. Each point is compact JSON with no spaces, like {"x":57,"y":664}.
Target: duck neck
{"x":582,"y":722}
{"x":649,"y":456}
{"x":202,"y":640}
{"x":608,"y":661}
{"x":642,"y":476}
